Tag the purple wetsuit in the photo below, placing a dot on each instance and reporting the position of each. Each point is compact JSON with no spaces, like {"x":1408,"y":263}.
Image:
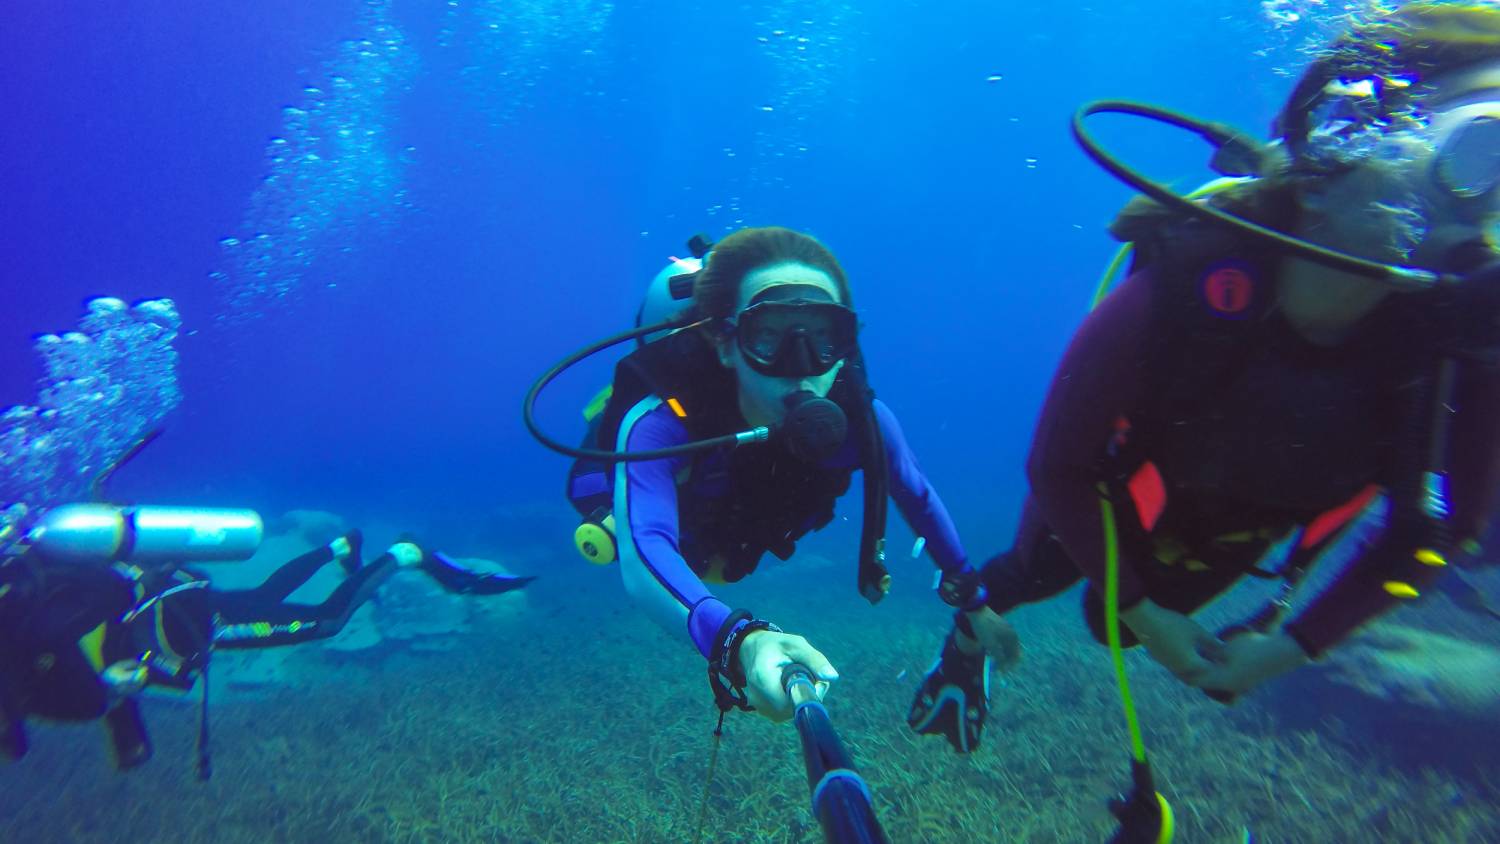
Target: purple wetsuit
{"x":646,"y":508}
{"x":1104,"y":378}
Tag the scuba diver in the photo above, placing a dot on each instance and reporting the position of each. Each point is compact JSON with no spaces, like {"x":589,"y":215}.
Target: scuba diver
{"x":1309,"y":343}
{"x":96,"y":605}
{"x":732,"y":431}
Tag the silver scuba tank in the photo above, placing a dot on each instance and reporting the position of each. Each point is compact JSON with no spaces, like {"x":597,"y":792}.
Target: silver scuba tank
{"x":669,"y":293}
{"x":104,"y":533}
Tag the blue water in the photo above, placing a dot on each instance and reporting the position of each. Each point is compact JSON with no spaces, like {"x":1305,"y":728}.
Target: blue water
{"x":379,"y":221}
{"x":518,"y":194}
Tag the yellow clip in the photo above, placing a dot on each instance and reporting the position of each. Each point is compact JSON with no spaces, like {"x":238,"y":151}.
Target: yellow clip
{"x":1429,"y":557}
{"x":677,"y":408}
{"x":1400,"y":590}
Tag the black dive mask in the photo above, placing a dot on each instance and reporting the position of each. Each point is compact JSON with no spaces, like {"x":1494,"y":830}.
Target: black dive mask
{"x":795,"y":331}
{"x":814,"y":428}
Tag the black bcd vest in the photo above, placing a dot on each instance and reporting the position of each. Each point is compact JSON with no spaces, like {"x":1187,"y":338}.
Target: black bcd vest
{"x":734,"y":505}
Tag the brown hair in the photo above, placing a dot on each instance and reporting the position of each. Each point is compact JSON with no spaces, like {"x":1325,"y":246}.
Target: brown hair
{"x":717,"y":289}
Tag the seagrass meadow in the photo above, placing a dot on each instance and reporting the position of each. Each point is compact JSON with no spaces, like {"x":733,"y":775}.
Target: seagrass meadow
{"x":581,"y":722}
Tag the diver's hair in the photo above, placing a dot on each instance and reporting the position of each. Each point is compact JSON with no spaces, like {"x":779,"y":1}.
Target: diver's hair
{"x":716,"y":291}
{"x":1419,"y":40}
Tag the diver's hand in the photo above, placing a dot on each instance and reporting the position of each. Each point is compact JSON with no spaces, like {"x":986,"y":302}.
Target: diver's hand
{"x":954,"y":698}
{"x":1180,"y":644}
{"x":994,"y":635}
{"x":1250,"y":659}
{"x":763,"y":654}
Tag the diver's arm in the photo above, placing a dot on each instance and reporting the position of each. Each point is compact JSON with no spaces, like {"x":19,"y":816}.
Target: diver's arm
{"x":645,"y":508}
{"x":916,"y":499}
{"x":1369,"y":584}
{"x":1099,"y":381}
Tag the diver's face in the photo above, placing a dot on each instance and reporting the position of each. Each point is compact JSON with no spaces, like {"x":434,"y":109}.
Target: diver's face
{"x":1421,"y":197}
{"x":762,"y":397}
{"x":1426,"y":189}
{"x":1461,"y":171}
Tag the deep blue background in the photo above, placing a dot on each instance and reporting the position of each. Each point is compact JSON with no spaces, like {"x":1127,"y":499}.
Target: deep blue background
{"x":134,"y":140}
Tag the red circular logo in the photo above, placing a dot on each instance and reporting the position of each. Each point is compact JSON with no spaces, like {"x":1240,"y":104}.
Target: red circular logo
{"x":1228,"y":291}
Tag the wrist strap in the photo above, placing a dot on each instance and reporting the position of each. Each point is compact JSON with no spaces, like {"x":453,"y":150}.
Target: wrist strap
{"x":963,"y":590}
{"x":725,"y":678}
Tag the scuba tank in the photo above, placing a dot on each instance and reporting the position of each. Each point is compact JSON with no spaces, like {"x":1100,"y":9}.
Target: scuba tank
{"x":669,"y":294}
{"x":103,"y":533}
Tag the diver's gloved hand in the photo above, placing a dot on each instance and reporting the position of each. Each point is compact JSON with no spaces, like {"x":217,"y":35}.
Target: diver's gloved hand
{"x":762,"y":656}
{"x":1251,"y":658}
{"x":996,"y":637}
{"x":1180,"y":644}
{"x":954,"y":699}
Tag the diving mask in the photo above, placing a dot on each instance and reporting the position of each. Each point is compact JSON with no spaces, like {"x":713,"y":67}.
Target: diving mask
{"x":795,"y":331}
{"x":1355,"y":120}
{"x":1467,"y":164}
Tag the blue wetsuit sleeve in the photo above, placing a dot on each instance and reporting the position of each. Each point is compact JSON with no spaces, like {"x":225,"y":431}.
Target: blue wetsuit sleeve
{"x":916,"y":499}
{"x":645,"y":507}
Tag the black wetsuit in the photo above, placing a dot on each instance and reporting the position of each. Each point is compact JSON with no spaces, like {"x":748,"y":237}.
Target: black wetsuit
{"x":1216,"y":430}
{"x":61,"y":626}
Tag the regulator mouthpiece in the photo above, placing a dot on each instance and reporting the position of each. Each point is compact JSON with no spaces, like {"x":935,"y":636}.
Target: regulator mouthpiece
{"x":814,"y":428}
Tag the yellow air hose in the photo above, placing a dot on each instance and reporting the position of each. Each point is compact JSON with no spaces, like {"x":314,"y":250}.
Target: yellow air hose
{"x":1117,"y":655}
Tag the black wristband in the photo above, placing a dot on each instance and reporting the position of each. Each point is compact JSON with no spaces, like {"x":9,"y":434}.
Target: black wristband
{"x":963,"y":591}
{"x":725,"y":677}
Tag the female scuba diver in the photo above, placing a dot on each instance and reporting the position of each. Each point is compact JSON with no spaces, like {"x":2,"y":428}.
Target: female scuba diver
{"x":82,"y":631}
{"x":765,"y":341}
{"x":1325,"y":346}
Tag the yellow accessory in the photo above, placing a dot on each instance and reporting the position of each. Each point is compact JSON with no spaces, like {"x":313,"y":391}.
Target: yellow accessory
{"x":596,"y":540}
{"x":1168,"y":821}
{"x":597,"y":403}
{"x":1401,"y":590}
{"x":92,"y":644}
{"x":1117,"y":656}
{"x":1429,"y":557}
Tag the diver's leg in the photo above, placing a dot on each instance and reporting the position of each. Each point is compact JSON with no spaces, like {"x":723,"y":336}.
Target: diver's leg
{"x":285,"y":580}
{"x":247,"y":621}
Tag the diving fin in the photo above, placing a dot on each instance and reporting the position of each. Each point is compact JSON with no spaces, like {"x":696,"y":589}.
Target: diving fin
{"x":954,"y":699}
{"x":455,"y":578}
